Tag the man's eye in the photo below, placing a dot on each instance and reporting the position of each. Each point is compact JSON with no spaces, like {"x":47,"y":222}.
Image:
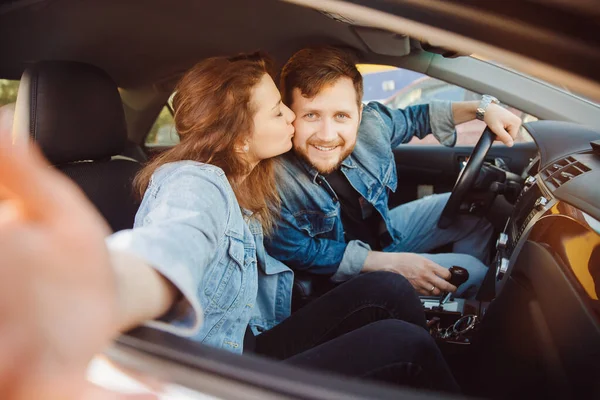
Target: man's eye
{"x":342,"y":116}
{"x":309,"y":115}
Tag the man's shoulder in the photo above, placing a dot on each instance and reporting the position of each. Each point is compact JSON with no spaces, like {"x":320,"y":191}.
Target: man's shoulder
{"x":373,"y":131}
{"x":374,"y":109}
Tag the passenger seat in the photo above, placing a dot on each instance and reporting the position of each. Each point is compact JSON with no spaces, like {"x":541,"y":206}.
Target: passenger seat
{"x":74,"y":113}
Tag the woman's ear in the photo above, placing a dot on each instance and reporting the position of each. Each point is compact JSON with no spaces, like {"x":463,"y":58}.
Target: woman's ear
{"x":243,"y":148}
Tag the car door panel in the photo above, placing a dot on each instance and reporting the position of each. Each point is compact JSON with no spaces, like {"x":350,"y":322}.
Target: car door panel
{"x":437,"y":167}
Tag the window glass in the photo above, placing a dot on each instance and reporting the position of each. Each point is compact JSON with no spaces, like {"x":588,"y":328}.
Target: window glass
{"x":8,"y":97}
{"x":8,"y":91}
{"x":401,"y":88}
{"x":163,"y":132}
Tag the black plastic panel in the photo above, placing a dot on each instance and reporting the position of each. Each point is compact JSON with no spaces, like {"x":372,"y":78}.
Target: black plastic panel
{"x":439,"y":166}
{"x":539,"y":338}
{"x":557,"y":139}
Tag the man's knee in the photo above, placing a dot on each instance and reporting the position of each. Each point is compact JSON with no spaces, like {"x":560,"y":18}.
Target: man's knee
{"x":476,"y":268}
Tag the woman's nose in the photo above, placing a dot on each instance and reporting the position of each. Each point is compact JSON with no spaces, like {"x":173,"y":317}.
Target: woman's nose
{"x":291,"y":115}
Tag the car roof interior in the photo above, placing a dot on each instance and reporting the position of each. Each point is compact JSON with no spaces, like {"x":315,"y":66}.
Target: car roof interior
{"x":146,"y":49}
{"x":152,"y":44}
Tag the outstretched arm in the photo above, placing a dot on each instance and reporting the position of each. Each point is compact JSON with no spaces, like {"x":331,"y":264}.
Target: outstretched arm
{"x":60,"y":299}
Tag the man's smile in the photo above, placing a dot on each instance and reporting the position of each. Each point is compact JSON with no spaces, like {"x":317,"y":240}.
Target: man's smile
{"x":324,"y":148}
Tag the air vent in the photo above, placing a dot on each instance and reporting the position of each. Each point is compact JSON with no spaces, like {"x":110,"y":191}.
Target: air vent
{"x":562,"y":171}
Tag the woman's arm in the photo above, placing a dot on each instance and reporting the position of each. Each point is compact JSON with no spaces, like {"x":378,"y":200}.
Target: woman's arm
{"x":63,"y":294}
{"x":183,"y":220}
{"x":142,"y":293}
{"x":58,"y":298}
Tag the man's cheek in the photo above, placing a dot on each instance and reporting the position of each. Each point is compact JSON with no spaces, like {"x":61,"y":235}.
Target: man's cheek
{"x":296,"y":140}
{"x":299,"y":139}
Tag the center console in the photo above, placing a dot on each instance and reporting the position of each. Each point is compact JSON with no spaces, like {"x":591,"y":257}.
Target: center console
{"x":533,"y":202}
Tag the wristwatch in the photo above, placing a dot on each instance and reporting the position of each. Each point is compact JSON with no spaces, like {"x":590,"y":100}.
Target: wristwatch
{"x":486,"y":100}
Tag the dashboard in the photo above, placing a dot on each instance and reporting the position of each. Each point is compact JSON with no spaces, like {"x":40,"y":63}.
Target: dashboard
{"x":540,"y":336}
{"x":558,"y":207}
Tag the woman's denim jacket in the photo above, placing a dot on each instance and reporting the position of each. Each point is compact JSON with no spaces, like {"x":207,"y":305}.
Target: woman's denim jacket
{"x":190,"y":229}
{"x":310,"y":235}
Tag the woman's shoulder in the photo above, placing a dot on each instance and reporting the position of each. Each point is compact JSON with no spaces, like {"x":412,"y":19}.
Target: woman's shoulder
{"x":188,"y":166}
{"x":191,"y":180}
{"x":190,"y":191}
{"x":189,"y":170}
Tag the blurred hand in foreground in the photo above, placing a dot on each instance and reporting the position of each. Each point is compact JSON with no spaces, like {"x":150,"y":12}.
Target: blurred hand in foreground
{"x":57,"y":290}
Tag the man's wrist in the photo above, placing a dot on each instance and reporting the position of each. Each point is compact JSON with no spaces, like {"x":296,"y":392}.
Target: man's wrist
{"x":464,"y":111}
{"x":486,"y":101}
{"x":377,"y":261}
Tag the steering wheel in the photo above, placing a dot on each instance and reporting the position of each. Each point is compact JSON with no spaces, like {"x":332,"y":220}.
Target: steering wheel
{"x":466,"y":179}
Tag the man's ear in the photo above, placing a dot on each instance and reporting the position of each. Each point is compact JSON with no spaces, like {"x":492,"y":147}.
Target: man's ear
{"x":360,"y":110}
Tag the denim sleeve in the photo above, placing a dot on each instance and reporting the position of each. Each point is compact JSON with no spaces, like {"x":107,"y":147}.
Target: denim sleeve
{"x":178,"y":237}
{"x":442,"y":122}
{"x":301,"y":252}
{"x":401,"y":125}
{"x":352,"y":261}
{"x":418,"y":121}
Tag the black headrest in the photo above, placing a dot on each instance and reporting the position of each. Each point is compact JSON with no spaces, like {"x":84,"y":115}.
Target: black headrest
{"x":72,"y":110}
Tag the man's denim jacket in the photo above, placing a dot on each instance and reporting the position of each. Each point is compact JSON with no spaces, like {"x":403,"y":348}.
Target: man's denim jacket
{"x":309,"y":234}
{"x":190,"y":229}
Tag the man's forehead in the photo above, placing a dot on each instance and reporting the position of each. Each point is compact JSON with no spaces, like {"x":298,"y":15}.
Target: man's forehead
{"x":329,"y":97}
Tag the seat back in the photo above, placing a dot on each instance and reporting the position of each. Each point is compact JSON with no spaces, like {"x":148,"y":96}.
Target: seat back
{"x":75,"y":114}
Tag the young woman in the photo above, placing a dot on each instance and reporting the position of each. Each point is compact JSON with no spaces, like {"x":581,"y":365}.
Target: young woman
{"x":194,"y":264}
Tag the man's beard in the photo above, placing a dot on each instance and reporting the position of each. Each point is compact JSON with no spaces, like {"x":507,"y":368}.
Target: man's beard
{"x":303,"y":154}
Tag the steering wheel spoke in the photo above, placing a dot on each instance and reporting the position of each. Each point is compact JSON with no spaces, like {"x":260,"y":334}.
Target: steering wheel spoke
{"x":466,"y":179}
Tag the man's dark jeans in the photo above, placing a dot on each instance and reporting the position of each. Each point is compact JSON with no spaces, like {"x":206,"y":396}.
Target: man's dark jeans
{"x":372,"y":326}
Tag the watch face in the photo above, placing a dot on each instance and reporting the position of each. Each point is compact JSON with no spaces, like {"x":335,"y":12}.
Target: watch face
{"x":479,"y":113}
{"x":489,"y":99}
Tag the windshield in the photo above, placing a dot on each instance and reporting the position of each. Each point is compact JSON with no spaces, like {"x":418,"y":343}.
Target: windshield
{"x":564,"y":88}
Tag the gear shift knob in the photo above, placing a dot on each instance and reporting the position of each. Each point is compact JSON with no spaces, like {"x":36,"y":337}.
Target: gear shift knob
{"x":459,"y":275}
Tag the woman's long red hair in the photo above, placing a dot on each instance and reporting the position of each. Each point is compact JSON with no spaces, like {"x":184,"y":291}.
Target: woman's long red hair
{"x":213,"y":116}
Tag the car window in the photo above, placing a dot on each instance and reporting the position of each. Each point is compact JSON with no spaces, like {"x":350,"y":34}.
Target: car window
{"x":8,"y":98}
{"x":163,"y":132}
{"x":401,"y":88}
{"x":8,"y":91}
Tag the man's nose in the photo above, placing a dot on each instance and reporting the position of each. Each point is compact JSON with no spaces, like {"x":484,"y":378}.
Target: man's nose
{"x":327,"y":133}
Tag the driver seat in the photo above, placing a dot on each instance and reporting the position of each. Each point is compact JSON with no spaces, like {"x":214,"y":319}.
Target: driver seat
{"x":75,"y":114}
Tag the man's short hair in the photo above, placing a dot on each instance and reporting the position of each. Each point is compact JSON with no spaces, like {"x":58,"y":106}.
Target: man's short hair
{"x":313,"y":68}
